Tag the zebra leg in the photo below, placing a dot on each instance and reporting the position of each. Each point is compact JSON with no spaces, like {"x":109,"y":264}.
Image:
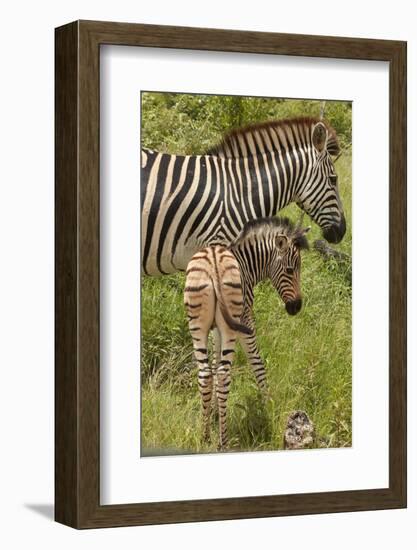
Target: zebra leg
{"x":205,"y":378}
{"x":223,"y":380}
{"x":250,"y":347}
{"x":216,"y":359}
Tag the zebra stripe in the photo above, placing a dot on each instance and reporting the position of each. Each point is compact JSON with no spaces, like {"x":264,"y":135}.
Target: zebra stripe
{"x":189,"y":202}
{"x":219,"y":293}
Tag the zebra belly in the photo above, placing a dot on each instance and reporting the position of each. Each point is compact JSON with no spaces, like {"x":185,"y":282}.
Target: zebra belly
{"x":167,"y":266}
{"x":164,"y":251}
{"x":185,"y":207}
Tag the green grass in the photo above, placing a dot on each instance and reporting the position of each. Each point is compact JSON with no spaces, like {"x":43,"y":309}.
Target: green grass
{"x":307,"y":358}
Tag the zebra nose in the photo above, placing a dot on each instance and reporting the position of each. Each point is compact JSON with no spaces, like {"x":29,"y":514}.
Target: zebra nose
{"x":294,"y":306}
{"x":335,"y":233}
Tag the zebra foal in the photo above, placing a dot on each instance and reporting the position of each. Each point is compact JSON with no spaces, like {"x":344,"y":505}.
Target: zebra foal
{"x":219,"y":294}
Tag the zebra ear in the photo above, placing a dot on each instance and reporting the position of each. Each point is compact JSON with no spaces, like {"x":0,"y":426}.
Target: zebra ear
{"x":281,"y":242}
{"x":320,"y":136}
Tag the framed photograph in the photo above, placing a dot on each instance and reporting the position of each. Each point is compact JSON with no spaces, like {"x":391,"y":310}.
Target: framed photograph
{"x":230,"y":274}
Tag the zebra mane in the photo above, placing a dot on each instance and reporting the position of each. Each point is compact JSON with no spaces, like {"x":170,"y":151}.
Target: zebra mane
{"x":270,"y":136}
{"x":278,"y":225}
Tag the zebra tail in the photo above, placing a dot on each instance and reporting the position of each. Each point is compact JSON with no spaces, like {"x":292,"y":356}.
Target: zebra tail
{"x":234,"y":325}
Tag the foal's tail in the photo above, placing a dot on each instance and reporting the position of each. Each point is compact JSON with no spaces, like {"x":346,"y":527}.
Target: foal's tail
{"x":234,"y":325}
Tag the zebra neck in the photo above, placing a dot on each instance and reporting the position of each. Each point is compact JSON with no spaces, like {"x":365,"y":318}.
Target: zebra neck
{"x":257,"y":187}
{"x":270,"y":183}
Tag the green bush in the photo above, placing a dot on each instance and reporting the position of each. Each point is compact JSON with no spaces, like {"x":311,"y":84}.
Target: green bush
{"x":191,"y":124}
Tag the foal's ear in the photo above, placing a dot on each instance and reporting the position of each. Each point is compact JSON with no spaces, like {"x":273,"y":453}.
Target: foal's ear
{"x":320,"y":136}
{"x":281,"y":242}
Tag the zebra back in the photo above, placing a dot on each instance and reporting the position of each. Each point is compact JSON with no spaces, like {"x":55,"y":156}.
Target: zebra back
{"x":275,"y":136}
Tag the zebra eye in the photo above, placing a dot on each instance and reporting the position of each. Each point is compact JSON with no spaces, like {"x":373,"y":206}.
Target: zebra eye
{"x":333,"y":179}
{"x":290,"y":270}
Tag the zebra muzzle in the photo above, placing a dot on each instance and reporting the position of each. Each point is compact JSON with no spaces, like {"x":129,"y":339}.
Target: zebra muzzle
{"x":293,"y":306}
{"x":335,"y":233}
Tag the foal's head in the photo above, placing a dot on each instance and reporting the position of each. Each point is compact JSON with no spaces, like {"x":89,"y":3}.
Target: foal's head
{"x":270,"y":248}
{"x":285,"y":264}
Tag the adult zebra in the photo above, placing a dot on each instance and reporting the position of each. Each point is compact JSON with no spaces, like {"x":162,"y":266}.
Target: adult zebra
{"x":189,"y":202}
